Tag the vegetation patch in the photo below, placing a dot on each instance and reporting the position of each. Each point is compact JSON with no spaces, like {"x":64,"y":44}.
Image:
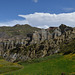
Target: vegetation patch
{"x":51,"y":65}
{"x":6,"y":66}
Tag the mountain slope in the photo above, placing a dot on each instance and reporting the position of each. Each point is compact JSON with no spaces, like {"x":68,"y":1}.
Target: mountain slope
{"x":17,"y":30}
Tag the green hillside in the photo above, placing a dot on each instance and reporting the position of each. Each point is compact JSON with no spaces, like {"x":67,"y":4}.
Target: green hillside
{"x":6,"y":66}
{"x":51,"y":65}
{"x":17,"y":30}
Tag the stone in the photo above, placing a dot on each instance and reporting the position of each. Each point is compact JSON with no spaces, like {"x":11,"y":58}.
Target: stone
{"x":36,"y":37}
{"x":39,"y":44}
{"x":56,"y":33}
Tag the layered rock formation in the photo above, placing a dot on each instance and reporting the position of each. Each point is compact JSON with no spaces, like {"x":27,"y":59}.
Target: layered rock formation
{"x":39,"y":44}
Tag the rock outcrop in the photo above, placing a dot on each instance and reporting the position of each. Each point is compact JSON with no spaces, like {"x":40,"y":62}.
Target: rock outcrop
{"x":39,"y":44}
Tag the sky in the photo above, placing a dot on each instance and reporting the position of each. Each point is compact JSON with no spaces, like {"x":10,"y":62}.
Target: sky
{"x":37,"y":13}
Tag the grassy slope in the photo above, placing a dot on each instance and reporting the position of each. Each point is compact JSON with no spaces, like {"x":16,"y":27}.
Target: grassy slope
{"x":51,"y":65}
{"x":18,"y":30}
{"x":7,"y":66}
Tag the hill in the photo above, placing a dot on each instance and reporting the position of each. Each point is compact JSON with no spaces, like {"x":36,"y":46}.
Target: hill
{"x":42,"y":55}
{"x":40,"y":44}
{"x":16,"y":30}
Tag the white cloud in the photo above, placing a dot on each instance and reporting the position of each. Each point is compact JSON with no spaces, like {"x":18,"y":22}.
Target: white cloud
{"x":44,"y":20}
{"x":47,"y":19}
{"x":35,"y":1}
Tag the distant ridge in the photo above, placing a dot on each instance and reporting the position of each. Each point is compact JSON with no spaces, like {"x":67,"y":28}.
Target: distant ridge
{"x":17,"y":30}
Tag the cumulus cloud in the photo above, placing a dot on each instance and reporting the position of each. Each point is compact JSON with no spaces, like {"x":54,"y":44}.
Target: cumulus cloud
{"x":47,"y":19}
{"x":44,"y":20}
{"x":35,"y":1}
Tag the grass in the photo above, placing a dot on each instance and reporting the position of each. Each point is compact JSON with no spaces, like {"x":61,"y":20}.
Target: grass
{"x":51,"y":65}
{"x":7,"y":66}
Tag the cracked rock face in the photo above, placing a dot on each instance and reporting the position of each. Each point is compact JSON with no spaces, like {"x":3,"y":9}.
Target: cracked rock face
{"x":39,"y":44}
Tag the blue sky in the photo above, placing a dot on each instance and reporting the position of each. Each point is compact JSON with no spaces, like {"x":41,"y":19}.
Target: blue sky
{"x":11,"y":9}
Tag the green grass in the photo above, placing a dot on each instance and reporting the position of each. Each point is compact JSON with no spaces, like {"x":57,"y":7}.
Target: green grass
{"x":51,"y":65}
{"x":8,"y":67}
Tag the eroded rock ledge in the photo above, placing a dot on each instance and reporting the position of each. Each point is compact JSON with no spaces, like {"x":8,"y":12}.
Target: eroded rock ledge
{"x":39,"y":44}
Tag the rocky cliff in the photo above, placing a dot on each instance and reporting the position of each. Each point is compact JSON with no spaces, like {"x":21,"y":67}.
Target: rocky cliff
{"x":38,"y":44}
